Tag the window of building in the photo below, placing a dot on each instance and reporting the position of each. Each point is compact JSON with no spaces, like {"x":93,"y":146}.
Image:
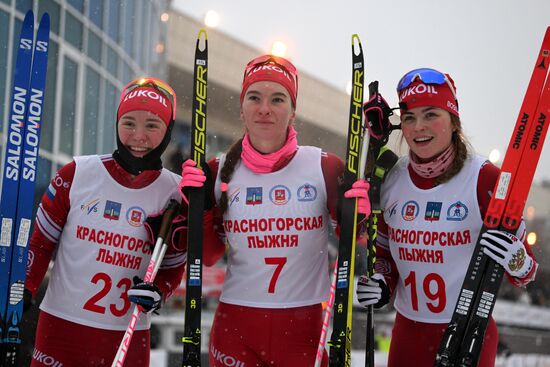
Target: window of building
{"x":73,"y":30}
{"x":4,"y":27}
{"x":96,"y":12}
{"x":18,"y":26}
{"x":77,"y":4}
{"x":112,"y":62}
{"x":68,"y":107}
{"x":129,"y":27}
{"x":107,"y":129}
{"x":145,"y":37}
{"x":127,"y":73}
{"x":113,"y":19}
{"x":23,"y":5}
{"x":53,"y":9}
{"x":94,"y":46}
{"x":91,"y":110}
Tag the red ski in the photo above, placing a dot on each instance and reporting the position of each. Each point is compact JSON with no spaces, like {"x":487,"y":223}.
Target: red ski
{"x":462,"y":341}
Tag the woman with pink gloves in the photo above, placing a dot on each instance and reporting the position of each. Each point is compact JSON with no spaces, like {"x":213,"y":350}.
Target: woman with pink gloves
{"x":273,"y":202}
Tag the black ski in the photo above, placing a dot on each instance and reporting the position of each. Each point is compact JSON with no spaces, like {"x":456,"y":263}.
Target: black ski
{"x":193,"y":297}
{"x":463,"y":339}
{"x":340,"y":343}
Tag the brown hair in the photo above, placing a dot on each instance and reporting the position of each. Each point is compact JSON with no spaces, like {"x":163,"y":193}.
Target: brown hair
{"x":461,"y":146}
{"x":232,"y":157}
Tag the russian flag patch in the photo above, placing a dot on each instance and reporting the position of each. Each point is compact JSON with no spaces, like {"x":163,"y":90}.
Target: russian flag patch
{"x":51,"y":192}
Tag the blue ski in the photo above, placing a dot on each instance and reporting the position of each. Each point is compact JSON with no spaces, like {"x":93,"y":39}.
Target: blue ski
{"x":14,"y":144}
{"x":20,"y":175}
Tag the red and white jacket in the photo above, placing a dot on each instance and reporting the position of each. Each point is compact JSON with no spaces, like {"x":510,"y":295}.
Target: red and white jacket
{"x":427,"y":233}
{"x":100,"y":233}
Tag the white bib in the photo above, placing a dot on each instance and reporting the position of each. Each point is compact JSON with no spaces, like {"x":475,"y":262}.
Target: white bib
{"x":103,"y":246}
{"x":277,"y":229}
{"x":431,"y":234}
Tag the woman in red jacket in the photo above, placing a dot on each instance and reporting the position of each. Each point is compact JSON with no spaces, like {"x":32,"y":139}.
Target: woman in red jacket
{"x":275,"y":201}
{"x":92,"y":216}
{"x":434,"y":201}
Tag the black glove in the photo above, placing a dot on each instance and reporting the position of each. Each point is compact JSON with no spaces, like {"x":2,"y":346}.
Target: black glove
{"x":152,"y":225}
{"x":373,"y":291}
{"x":377,"y":113}
{"x":193,"y":177}
{"x":28,"y":301}
{"x":146,"y":295}
{"x":208,"y":188}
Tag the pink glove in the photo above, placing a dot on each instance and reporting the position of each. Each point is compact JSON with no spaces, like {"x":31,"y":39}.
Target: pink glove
{"x":360,"y":190}
{"x":191,"y":176}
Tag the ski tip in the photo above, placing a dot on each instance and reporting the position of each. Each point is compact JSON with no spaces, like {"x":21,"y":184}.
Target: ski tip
{"x":356,"y":44}
{"x":29,"y":16}
{"x":202,"y":31}
{"x":202,"y":35}
{"x":45,"y":20}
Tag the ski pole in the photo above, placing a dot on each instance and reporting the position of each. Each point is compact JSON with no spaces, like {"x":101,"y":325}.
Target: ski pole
{"x":154,"y":264}
{"x":369,"y":347}
{"x":326,"y":320}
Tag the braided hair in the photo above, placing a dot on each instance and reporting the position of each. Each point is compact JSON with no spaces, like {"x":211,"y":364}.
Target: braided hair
{"x":226,"y":173}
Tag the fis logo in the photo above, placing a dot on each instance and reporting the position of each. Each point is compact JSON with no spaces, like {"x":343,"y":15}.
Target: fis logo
{"x":90,"y":207}
{"x":392,"y":209}
{"x":234,"y":197}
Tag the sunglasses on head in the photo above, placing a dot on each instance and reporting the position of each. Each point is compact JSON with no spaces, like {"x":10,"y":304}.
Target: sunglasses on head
{"x":426,"y":75}
{"x":272,"y":59}
{"x":156,"y":84}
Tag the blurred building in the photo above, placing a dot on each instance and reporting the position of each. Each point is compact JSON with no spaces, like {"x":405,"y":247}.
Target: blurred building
{"x":96,"y":46}
{"x":322,"y":110}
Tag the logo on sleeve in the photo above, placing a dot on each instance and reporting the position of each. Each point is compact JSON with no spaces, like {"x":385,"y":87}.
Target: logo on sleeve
{"x":307,"y":192}
{"x":457,"y":211}
{"x":253,"y":195}
{"x":51,"y":192}
{"x":433,"y":211}
{"x":410,"y":210}
{"x":112,"y":210}
{"x":279,"y":195}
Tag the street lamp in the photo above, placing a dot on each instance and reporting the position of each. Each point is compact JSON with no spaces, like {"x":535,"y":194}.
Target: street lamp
{"x":532,"y":238}
{"x":211,"y":19}
{"x":278,"y":49}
